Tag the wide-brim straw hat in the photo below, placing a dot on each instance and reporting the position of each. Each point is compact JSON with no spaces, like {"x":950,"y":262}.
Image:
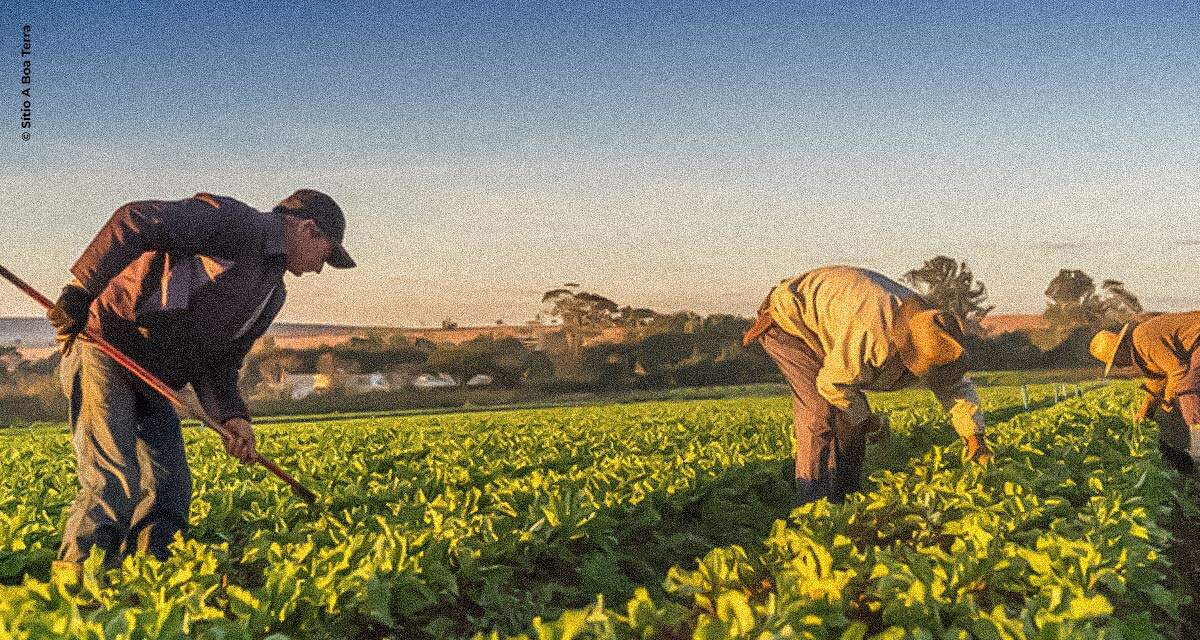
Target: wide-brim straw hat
{"x":927,"y":338}
{"x":1105,"y":344}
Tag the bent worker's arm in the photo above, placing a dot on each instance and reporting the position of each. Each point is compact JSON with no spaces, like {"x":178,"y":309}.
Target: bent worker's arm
{"x":961,"y":401}
{"x":1147,"y":406}
{"x":1177,"y":371}
{"x":841,"y":379}
{"x":219,"y":395}
{"x":218,"y":390}
{"x":1156,"y":387}
{"x":217,"y":385}
{"x":183,"y":227}
{"x":1187,"y":391}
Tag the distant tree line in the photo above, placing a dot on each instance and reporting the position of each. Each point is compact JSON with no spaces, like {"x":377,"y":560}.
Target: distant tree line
{"x":602,"y":345}
{"x":506,"y":360}
{"x":30,"y":391}
{"x":654,"y":351}
{"x":1075,"y":309}
{"x":680,"y":349}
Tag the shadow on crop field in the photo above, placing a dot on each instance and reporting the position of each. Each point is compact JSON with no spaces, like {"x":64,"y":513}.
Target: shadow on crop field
{"x":626,"y":547}
{"x":1184,"y":553}
{"x":630,"y":546}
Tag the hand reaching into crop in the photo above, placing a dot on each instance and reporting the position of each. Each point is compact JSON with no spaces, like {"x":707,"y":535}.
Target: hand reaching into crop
{"x":240,"y":443}
{"x":1144,"y":411}
{"x":977,"y":449}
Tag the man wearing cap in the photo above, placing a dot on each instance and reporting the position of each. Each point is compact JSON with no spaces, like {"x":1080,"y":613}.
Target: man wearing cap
{"x":184,"y":288}
{"x":1164,"y":350}
{"x":836,"y":331}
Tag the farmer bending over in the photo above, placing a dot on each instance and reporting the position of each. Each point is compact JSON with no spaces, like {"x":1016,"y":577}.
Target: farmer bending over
{"x":1163,"y":349}
{"x":836,"y":331}
{"x":184,"y":288}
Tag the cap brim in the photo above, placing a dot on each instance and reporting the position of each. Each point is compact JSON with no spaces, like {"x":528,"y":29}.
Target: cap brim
{"x":1111,"y":358}
{"x":339,"y":259}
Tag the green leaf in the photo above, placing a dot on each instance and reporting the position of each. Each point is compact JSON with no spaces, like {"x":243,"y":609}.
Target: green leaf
{"x":377,"y":600}
{"x":856,"y":631}
{"x":1093,"y":607}
{"x":732,"y":606}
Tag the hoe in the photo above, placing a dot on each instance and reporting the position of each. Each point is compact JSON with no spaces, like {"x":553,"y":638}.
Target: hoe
{"x":156,"y":384}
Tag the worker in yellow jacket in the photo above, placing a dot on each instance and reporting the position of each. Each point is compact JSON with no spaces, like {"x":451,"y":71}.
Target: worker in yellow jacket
{"x":836,"y":331}
{"x":1166,"y":350}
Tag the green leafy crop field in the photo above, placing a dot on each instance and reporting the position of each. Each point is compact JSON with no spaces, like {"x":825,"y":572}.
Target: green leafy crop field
{"x":655,"y":520}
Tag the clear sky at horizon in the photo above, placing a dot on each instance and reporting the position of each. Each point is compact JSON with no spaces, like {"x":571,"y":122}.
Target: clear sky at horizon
{"x":668,"y":155}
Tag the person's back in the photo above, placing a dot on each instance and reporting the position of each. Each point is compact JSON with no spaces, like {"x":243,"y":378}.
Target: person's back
{"x":176,"y":282}
{"x":828,"y":305}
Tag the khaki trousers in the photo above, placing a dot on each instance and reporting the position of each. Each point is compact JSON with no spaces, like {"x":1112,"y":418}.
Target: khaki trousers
{"x":829,"y":453}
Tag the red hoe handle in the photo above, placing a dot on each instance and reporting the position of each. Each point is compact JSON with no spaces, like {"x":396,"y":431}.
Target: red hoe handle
{"x":158,"y":385}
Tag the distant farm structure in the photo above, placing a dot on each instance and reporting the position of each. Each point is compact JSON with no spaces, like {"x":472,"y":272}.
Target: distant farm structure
{"x":538,"y":337}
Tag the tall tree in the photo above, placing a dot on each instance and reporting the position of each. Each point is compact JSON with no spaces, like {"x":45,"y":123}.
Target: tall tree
{"x":1120,"y":305}
{"x":1071,"y":286}
{"x":1074,"y":302}
{"x":950,"y":285}
{"x":583,"y":314}
{"x":634,"y":320}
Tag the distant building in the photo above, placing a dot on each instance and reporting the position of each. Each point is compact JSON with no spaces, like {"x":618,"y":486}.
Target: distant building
{"x":434,"y":381}
{"x":322,"y":382}
{"x":301,"y":385}
{"x":10,"y":360}
{"x":479,"y":380}
{"x":361,"y":382}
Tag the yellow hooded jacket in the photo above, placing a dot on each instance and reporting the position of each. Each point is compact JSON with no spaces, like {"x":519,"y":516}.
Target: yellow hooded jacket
{"x":846,"y":315}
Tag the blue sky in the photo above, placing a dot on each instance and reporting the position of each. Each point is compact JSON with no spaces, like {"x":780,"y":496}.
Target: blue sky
{"x":670,"y":156}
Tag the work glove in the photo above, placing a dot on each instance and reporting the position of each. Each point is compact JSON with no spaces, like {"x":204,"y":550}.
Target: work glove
{"x":69,"y":314}
{"x":1150,"y":403}
{"x":977,"y":449}
{"x":877,"y":428}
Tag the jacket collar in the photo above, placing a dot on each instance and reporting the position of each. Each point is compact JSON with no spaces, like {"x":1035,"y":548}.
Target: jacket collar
{"x":274,"y":243}
{"x":1139,"y":362}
